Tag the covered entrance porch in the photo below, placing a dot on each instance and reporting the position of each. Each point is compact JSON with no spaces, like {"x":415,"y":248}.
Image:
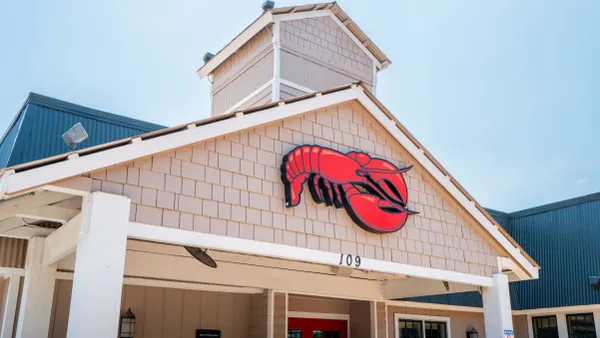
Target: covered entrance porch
{"x":105,"y":264}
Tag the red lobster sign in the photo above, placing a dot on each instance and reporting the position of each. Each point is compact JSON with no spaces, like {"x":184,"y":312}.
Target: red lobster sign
{"x":371,"y":190}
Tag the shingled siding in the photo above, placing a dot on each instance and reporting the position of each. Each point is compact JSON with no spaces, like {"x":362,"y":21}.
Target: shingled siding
{"x":231,"y":186}
{"x":243,"y":72}
{"x":323,"y":40}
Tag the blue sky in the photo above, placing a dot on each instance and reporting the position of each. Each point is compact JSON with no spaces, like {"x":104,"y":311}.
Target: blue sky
{"x":505,"y":94}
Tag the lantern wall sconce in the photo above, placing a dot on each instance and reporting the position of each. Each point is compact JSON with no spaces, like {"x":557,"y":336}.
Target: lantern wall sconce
{"x":472,"y":333}
{"x":127,"y":325}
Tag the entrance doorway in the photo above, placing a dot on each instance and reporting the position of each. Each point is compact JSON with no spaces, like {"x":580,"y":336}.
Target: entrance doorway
{"x":317,"y":328}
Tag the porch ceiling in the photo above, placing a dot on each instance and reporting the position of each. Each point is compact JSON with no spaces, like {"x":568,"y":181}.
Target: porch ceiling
{"x":171,"y":264}
{"x":37,"y":213}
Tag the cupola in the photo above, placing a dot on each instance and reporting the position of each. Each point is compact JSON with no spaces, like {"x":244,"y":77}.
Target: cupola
{"x":291,"y":51}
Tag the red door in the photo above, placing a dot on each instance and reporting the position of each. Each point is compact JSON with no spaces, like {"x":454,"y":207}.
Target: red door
{"x":317,"y":328}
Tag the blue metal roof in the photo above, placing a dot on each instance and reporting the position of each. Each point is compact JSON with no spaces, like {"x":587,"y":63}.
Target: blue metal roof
{"x":563,"y":238}
{"x":36,"y":131}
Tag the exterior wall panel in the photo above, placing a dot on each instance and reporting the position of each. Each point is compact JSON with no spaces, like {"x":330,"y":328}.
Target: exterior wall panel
{"x":231,"y":186}
{"x":243,"y":72}
{"x":167,"y":313}
{"x":258,"y":316}
{"x":307,"y":73}
{"x":322,"y":40}
{"x":381,"y":319}
{"x":520,"y":326}
{"x":320,"y":305}
{"x":243,"y":85}
{"x":13,"y":252}
{"x":360,"y":318}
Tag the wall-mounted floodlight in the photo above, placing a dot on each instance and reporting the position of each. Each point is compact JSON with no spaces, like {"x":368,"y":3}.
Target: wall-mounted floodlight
{"x":75,"y":135}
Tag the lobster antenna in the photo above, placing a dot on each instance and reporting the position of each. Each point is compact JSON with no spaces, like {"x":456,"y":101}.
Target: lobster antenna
{"x":364,"y":173}
{"x":389,"y":171}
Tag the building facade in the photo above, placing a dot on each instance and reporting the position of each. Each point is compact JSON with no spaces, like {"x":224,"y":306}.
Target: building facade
{"x":323,"y":215}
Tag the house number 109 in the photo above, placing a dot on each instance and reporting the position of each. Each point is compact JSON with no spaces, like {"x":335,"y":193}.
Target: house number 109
{"x":349,"y":260}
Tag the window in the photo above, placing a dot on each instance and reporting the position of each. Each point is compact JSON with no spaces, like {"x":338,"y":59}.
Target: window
{"x":581,"y":325}
{"x":413,"y":326}
{"x":545,"y":327}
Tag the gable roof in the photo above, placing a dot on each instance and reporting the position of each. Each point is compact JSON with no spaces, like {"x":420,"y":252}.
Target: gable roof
{"x":30,"y":175}
{"x":297,"y":12}
{"x":48,"y":118}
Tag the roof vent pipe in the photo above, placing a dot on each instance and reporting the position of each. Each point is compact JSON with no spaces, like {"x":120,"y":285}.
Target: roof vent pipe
{"x":268,"y":5}
{"x":208,"y":56}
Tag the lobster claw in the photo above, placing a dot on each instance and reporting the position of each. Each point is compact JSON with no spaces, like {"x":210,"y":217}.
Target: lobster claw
{"x":388,"y":180}
{"x":371,"y":212}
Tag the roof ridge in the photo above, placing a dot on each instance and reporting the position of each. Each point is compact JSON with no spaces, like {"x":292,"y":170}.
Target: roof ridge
{"x":555,"y":205}
{"x":50,"y":102}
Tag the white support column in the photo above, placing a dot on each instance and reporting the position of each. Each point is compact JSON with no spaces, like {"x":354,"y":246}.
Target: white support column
{"x":597,"y":322}
{"x":529,"y":326}
{"x":373,"y":311}
{"x":561,"y":325}
{"x":10,"y":306}
{"x":496,"y":308}
{"x":38,"y":291}
{"x":99,"y":265}
{"x":270,"y":313}
{"x":276,"y":89}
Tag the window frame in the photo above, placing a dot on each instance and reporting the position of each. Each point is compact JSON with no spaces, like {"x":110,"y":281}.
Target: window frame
{"x":567,"y":315}
{"x":423,"y":319}
{"x":533,"y":327}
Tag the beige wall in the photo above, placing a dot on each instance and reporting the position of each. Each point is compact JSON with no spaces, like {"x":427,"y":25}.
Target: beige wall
{"x":320,"y":305}
{"x":13,"y":252}
{"x":360,"y":318}
{"x":258,"y":316}
{"x":381,"y":319}
{"x":231,"y":186}
{"x":460,"y":322}
{"x":245,"y":83}
{"x":168,"y":313}
{"x":243,"y":72}
{"x":324,"y":43}
{"x":520,"y":326}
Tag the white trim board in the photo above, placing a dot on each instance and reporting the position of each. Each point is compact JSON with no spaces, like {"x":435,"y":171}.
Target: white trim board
{"x":296,"y":86}
{"x":57,"y":171}
{"x":421,"y":318}
{"x":7,"y":272}
{"x":248,"y":97}
{"x":184,"y":237}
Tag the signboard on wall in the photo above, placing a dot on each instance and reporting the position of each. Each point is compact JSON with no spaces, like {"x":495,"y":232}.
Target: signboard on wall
{"x":371,"y":190}
{"x":204,"y":333}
